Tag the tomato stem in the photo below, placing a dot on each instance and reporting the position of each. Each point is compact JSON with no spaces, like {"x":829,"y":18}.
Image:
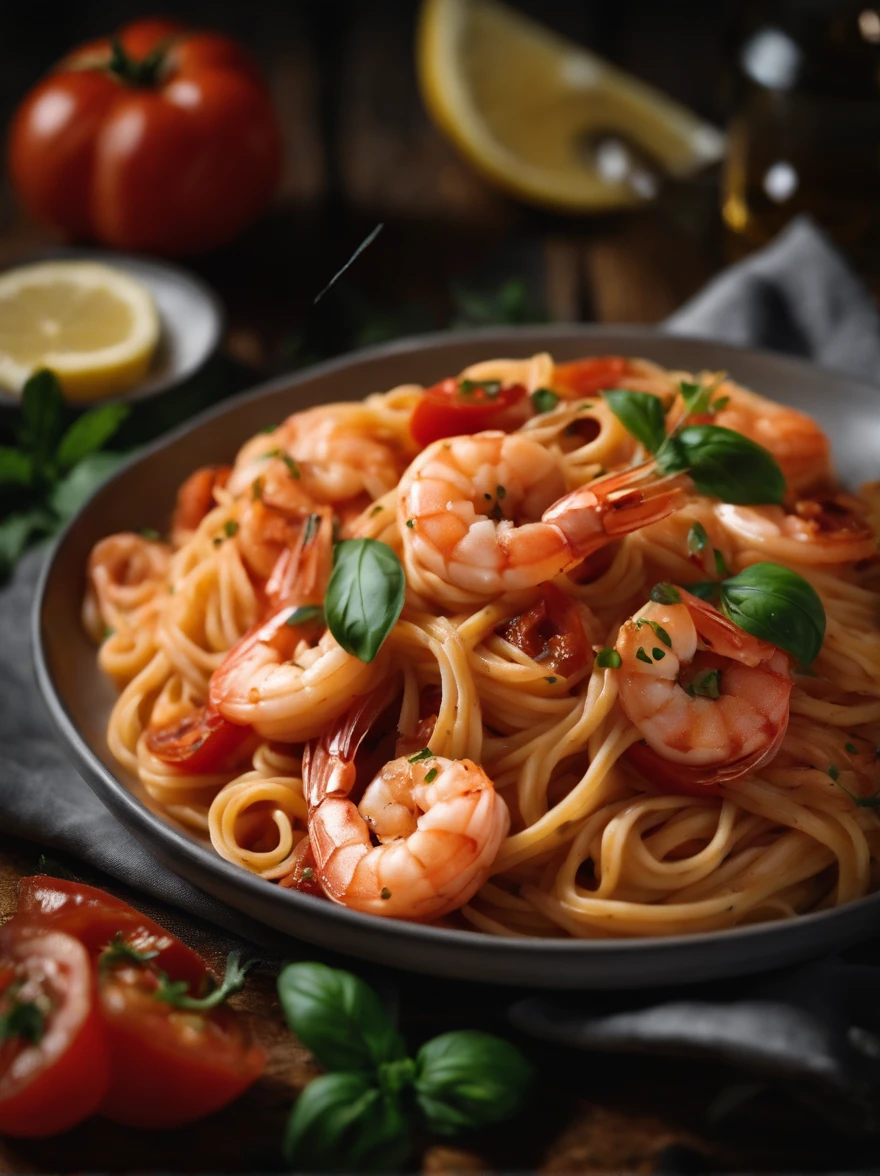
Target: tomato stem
{"x":143,"y":73}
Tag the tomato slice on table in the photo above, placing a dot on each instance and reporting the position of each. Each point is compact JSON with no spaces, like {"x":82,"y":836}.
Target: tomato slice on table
{"x":53,"y":1050}
{"x":585,"y":377}
{"x":96,"y":919}
{"x":200,"y":743}
{"x":455,"y":407}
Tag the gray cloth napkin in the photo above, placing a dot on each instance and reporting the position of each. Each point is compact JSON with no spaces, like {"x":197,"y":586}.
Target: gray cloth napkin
{"x":797,"y":295}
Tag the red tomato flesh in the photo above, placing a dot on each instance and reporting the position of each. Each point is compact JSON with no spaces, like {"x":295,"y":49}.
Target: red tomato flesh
{"x":585,"y":377}
{"x":202,"y":742}
{"x":455,"y":407}
{"x":551,"y":632}
{"x":57,"y":1073}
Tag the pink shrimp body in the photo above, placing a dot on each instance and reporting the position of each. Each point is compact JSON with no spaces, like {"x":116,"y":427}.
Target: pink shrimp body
{"x":699,"y":741}
{"x":421,"y":842}
{"x":482,"y":515}
{"x":828,"y":530}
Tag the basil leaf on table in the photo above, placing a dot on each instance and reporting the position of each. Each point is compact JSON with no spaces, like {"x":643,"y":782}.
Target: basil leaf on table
{"x":16,"y":530}
{"x":467,"y":1079}
{"x":16,"y":467}
{"x":89,"y":433}
{"x":777,"y":605}
{"x":68,"y":495}
{"x":641,"y":414}
{"x":338,"y":1017}
{"x":342,"y":1123}
{"x":364,"y":596}
{"x":724,"y":464}
{"x":42,"y":417}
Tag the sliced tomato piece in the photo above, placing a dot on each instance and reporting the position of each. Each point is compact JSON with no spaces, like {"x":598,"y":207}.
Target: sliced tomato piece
{"x":195,"y":498}
{"x":54,"y":1068}
{"x":455,"y":407}
{"x":97,"y":920}
{"x":551,"y":632}
{"x":200,"y":743}
{"x":586,"y":377}
{"x":170,"y":1065}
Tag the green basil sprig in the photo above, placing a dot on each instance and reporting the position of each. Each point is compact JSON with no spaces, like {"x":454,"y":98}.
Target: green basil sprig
{"x":360,"y":1116}
{"x":364,"y":596}
{"x":721,"y":462}
{"x":767,"y":600}
{"x":777,"y":605}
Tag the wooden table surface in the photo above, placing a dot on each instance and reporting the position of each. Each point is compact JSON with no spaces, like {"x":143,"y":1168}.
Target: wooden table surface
{"x":360,"y":150}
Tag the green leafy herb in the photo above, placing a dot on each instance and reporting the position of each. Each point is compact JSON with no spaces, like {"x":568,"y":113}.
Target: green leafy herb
{"x":431,"y":774}
{"x":468,"y":1079}
{"x":292,"y":467}
{"x":424,"y":754}
{"x":641,"y":414}
{"x":551,"y":681}
{"x":872,"y":801}
{"x":342,"y":1122}
{"x":90,"y":432}
{"x":696,"y":397}
{"x":72,"y":491}
{"x":176,"y":992}
{"x":305,"y":614}
{"x":657,"y":629}
{"x":697,"y":539}
{"x":642,"y":656}
{"x":23,"y":1019}
{"x":851,"y":748}
{"x":385,"y":893}
{"x":833,"y":772}
{"x":608,"y":659}
{"x":544,"y":400}
{"x":42,"y":418}
{"x":338,"y":1017}
{"x":723,"y":463}
{"x":705,"y":590}
{"x":706,"y":685}
{"x":230,"y":528}
{"x":665,"y":594}
{"x":16,"y":468}
{"x":16,"y":531}
{"x":500,"y":492}
{"x":721,"y":568}
{"x":658,"y":654}
{"x":410,"y":523}
{"x":365,"y":595}
{"x":777,"y":605}
{"x":150,"y":534}
{"x":118,"y":951}
{"x":490,"y":388}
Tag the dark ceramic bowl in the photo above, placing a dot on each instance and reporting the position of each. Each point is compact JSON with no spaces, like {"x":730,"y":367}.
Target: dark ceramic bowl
{"x":79,"y":697}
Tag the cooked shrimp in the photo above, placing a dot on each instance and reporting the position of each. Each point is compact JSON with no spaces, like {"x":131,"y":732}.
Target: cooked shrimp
{"x":801,"y":449}
{"x":288,"y":679}
{"x":195,"y":499}
{"x":468,"y":507}
{"x":439,"y":824}
{"x":272,"y":517}
{"x":821,"y":530}
{"x":336,"y":450}
{"x":124,"y":573}
{"x":710,"y":701}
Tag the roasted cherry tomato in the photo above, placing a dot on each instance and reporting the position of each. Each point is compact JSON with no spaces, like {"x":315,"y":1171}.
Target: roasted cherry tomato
{"x":53,"y":1049}
{"x":455,"y":407}
{"x":585,"y":377}
{"x":162,"y":140}
{"x":202,"y":742}
{"x":551,"y":632}
{"x":195,"y":499}
{"x":96,"y":919}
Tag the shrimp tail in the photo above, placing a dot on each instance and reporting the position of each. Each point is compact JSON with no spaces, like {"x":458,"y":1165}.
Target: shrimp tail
{"x":328,"y":763}
{"x":615,"y":505}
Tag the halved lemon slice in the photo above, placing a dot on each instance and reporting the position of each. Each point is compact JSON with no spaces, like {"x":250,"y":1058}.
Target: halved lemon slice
{"x":94,"y":326}
{"x":543,"y":117}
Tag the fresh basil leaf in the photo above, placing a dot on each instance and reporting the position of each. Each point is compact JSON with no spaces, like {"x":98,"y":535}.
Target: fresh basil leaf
{"x":42,"y":413}
{"x":641,"y":414}
{"x":16,"y":530}
{"x":365,"y":595}
{"x":696,"y":397}
{"x":89,"y":433}
{"x":544,"y":400}
{"x":16,"y":467}
{"x":665,"y":594}
{"x":342,"y":1123}
{"x":338,"y":1017}
{"x":705,"y":590}
{"x":723,"y":463}
{"x":466,"y":1079}
{"x":777,"y":605}
{"x":72,"y":491}
{"x":305,"y":614}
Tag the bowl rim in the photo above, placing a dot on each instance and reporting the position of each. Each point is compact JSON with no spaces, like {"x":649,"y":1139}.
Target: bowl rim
{"x":152,"y":827}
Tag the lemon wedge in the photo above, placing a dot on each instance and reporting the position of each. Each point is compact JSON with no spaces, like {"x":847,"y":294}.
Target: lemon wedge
{"x":546,"y":119}
{"x":94,"y":326}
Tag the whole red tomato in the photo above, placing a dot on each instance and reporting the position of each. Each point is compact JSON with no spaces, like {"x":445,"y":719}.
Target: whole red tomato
{"x":161,"y":140}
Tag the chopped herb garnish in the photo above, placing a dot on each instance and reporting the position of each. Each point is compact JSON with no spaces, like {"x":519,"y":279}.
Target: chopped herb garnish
{"x":851,"y":748}
{"x":424,"y":754}
{"x":308,"y":873}
{"x":500,"y":491}
{"x":665,"y":594}
{"x":834,"y":772}
{"x":377,"y":509}
{"x":230,"y":527}
{"x":118,"y":951}
{"x":642,"y":656}
{"x":23,"y":1019}
{"x":150,"y":534}
{"x":544,"y":400}
{"x":313,"y":523}
{"x":292,"y":467}
{"x":410,"y":523}
{"x":872,"y":801}
{"x":551,"y":681}
{"x":720,"y":404}
{"x":257,"y":489}
{"x":608,"y":659}
{"x":269,"y":429}
{"x":489,"y":388}
{"x":304,"y":614}
{"x":720,"y":565}
{"x":217,"y":540}
{"x":108,"y":632}
{"x":385,"y":893}
{"x":707,"y":685}
{"x":431,"y":776}
{"x":658,"y":654}
{"x":697,"y":539}
{"x":657,"y":628}
{"x":176,"y":992}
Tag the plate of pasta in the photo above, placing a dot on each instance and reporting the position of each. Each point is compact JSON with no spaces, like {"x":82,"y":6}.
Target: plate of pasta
{"x":560,"y":668}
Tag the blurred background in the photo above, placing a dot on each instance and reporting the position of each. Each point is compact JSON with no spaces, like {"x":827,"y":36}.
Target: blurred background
{"x":794,"y":86}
